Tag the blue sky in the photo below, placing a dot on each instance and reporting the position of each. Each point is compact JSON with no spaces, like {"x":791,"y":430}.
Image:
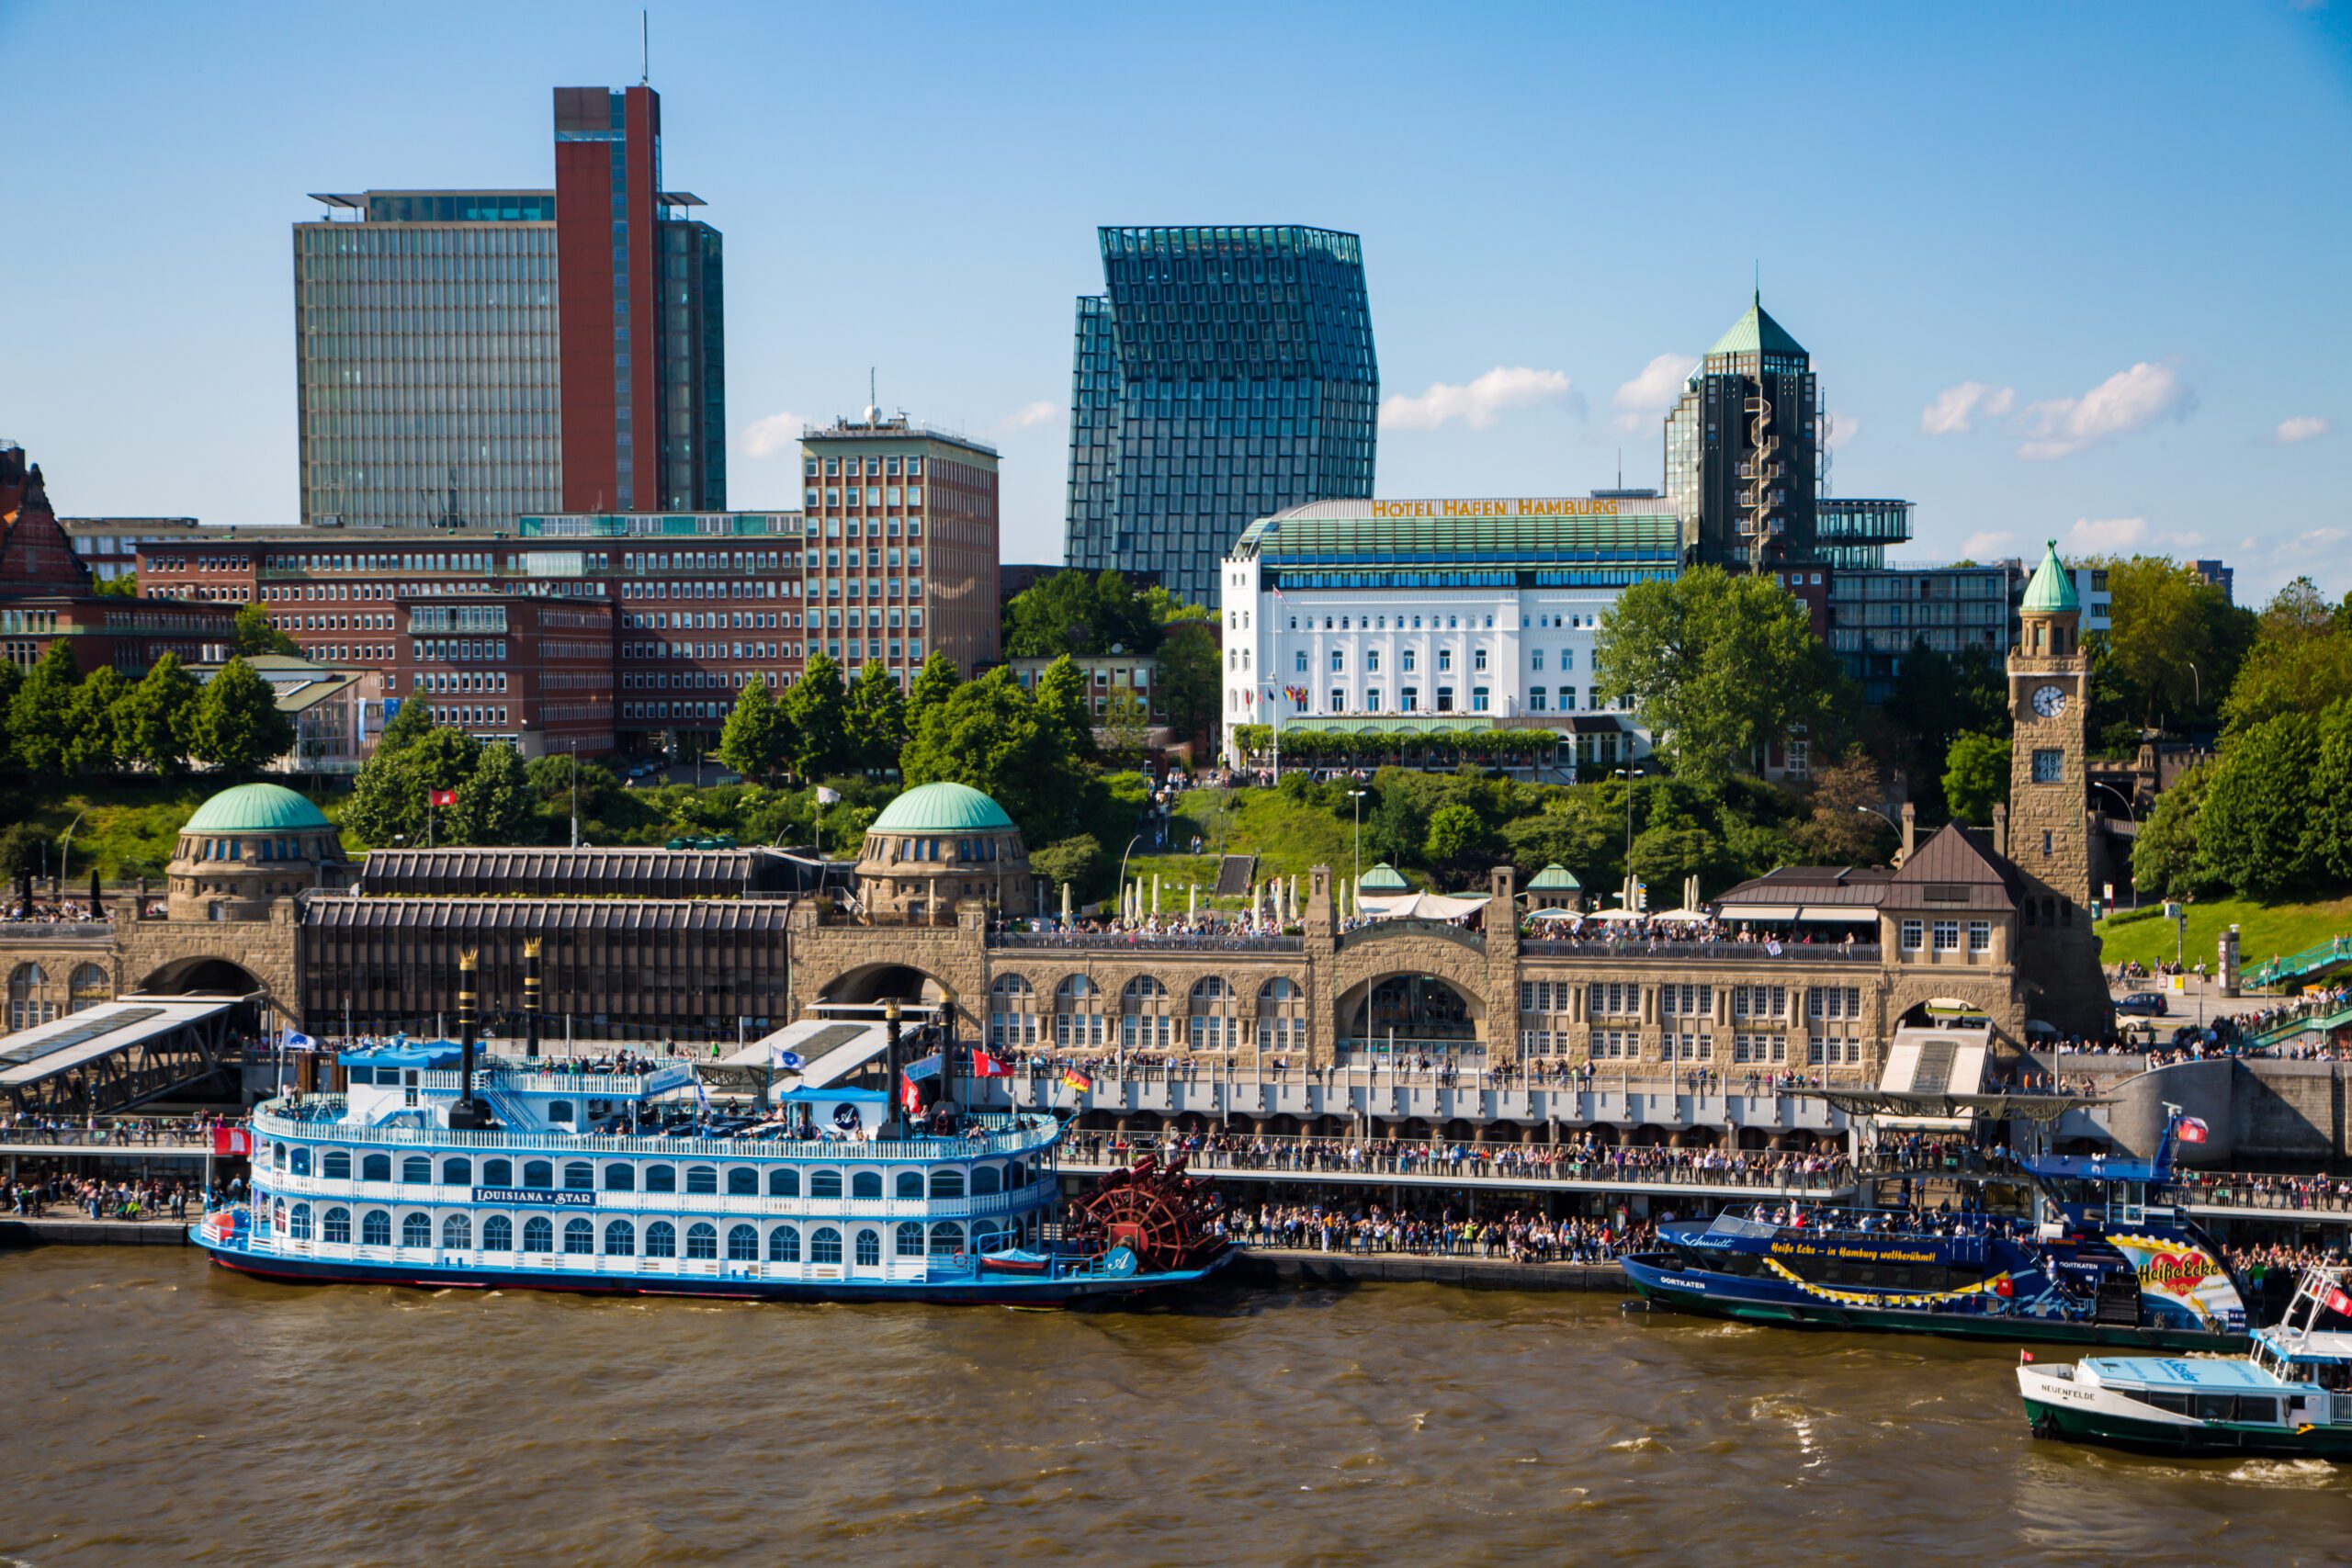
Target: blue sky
{"x":2079,"y":271}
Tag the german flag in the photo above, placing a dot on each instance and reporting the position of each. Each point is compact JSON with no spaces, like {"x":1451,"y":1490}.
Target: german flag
{"x":1073,"y":1078}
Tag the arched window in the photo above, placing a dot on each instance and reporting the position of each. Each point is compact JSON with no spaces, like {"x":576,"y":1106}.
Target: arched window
{"x":578,"y":1176}
{"x":869,"y":1249}
{"x":946,"y":1238}
{"x":1282,"y":1017}
{"x":702,"y":1179}
{"x":865,"y":1184}
{"x":416,"y":1230}
{"x":298,"y":1224}
{"x":301,"y":1162}
{"x":742,"y":1181}
{"x":498,"y":1173}
{"x":987,"y":1179}
{"x":783,"y":1245}
{"x":538,"y":1234}
{"x":88,"y":987}
{"x":539,"y":1173}
{"x":661,"y":1179}
{"x":909,"y":1241}
{"x":336,"y":1166}
{"x":375,"y":1229}
{"x":277,"y":1155}
{"x":416,"y":1170}
{"x":27,"y":1005}
{"x":1012,"y":1014}
{"x":336,"y":1227}
{"x":824,"y":1244}
{"x":909,"y":1184}
{"x":376,"y":1167}
{"x":1145,"y":1023}
{"x":579,"y":1236}
{"x":498,"y":1234}
{"x":620,"y":1239}
{"x":1078,"y":1014}
{"x":660,"y":1239}
{"x":742,"y":1245}
{"x":1211,"y":1023}
{"x":947,"y":1184}
{"x":456,"y":1233}
{"x":825,"y":1184}
{"x":620,"y":1177}
{"x":987,"y":1236}
{"x":784,"y":1181}
{"x":702,"y":1240}
{"x":457,"y":1171}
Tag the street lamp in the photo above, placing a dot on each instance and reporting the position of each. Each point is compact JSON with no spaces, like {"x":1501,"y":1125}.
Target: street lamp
{"x":2131,"y":815}
{"x":1357,"y":796}
{"x":1122,"y":869}
{"x":1629,"y":776}
{"x":65,"y":859}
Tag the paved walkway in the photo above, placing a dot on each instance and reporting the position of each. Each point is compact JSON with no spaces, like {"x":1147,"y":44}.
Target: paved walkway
{"x":69,"y":1228}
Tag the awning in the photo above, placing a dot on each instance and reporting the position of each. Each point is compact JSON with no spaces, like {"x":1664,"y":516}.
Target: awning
{"x":1422,"y":906}
{"x":28,"y":1055}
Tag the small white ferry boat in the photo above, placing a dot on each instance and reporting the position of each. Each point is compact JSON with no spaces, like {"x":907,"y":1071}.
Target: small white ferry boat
{"x":2290,"y":1396}
{"x":435,"y":1170}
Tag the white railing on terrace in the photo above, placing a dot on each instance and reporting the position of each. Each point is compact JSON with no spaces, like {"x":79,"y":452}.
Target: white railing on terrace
{"x":317,"y":1121}
{"x":658,"y":1205}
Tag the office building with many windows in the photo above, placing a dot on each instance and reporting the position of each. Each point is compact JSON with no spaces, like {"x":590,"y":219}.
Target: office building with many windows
{"x":464,"y":357}
{"x":1226,"y":373}
{"x":1389,"y":614}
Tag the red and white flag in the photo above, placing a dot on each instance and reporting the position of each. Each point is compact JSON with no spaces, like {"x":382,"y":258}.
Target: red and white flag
{"x":2193,"y":1131}
{"x":233,"y":1140}
{"x":2337,"y":1301}
{"x":985,"y":1066}
{"x":444,"y":797}
{"x":909,"y":1096}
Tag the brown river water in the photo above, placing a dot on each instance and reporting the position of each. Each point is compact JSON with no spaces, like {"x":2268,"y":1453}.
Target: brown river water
{"x":160,"y":1411}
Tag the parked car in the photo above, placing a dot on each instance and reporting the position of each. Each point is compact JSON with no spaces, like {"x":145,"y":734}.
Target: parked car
{"x":2147,"y":1004}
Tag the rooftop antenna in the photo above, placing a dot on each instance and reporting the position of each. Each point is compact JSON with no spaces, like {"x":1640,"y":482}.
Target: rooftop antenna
{"x":645,"y":49}
{"x":1621,"y":467}
{"x":1758,"y":298}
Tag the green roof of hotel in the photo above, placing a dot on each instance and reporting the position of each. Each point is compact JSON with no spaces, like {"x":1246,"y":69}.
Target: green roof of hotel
{"x":1381,"y":878}
{"x":943,"y":808}
{"x":1757,"y":332}
{"x":2053,"y":588}
{"x":255,"y":808}
{"x":1401,"y":535}
{"x":1555,"y":879}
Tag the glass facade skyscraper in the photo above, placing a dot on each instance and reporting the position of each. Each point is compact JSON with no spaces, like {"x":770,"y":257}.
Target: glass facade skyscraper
{"x":465,"y":357}
{"x":1227,"y":373}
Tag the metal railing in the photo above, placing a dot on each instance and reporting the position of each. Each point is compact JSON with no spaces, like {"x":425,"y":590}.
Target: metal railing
{"x":56,"y":930}
{"x":1145,"y":942}
{"x":1747,"y":951}
{"x":2290,"y":1194}
{"x":1284,"y":1155}
{"x":109,"y":1136}
{"x":317,"y":1121}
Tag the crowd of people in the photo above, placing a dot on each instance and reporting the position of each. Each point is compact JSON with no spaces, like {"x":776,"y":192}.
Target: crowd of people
{"x":141,"y":1131}
{"x":68,"y":911}
{"x":2241,"y":1191}
{"x":1582,"y":1160}
{"x":31,"y":1196}
{"x":1657,"y":933}
{"x":1518,"y":1235}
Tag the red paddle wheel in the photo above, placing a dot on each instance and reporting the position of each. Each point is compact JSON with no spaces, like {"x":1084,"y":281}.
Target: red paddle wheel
{"x":1157,"y":1212}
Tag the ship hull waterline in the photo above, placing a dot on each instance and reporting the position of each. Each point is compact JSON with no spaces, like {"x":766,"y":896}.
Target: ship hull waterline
{"x":2107,"y":1429}
{"x":1653,"y":1284}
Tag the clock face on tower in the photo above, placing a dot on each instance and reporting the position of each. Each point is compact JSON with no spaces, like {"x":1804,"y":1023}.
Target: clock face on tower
{"x":2050,"y":701}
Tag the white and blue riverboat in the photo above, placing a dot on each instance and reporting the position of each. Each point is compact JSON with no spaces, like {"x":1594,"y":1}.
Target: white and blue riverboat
{"x":623,"y":1182}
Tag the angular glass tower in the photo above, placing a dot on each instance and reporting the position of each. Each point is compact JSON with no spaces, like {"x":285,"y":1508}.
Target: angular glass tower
{"x":1227,"y":373}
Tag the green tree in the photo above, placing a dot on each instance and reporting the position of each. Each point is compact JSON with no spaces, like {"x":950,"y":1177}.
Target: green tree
{"x":1977,"y":776}
{"x":1072,"y":863}
{"x":2165,"y":863}
{"x":1188,"y":682}
{"x":97,"y":719}
{"x":559,"y":778}
{"x":409,"y":723}
{"x":40,"y":718}
{"x":931,"y":686}
{"x":1663,"y":855}
{"x":254,"y":632}
{"x":237,"y":726}
{"x":1719,"y":665}
{"x":390,"y":799}
{"x":1935,"y":699}
{"x":1396,"y":826}
{"x":2257,"y":832}
{"x":494,"y":802}
{"x":123,"y":587}
{"x":158,"y":717}
{"x":816,"y":711}
{"x":11,"y":681}
{"x":757,"y":740}
{"x":1073,"y":611}
{"x":876,"y":721}
{"x":1841,"y":829}
{"x":1458,"y":840}
{"x":1064,"y":708}
{"x":990,"y":735}
{"x":20,"y":851}
{"x":2330,"y":792}
{"x":2301,"y":660}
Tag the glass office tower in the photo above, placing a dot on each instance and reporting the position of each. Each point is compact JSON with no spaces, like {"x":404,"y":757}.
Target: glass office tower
{"x":1227,"y":373}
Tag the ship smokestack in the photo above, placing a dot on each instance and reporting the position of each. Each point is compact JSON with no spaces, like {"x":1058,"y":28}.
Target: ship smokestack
{"x":468,"y":1113}
{"x":531,"y":998}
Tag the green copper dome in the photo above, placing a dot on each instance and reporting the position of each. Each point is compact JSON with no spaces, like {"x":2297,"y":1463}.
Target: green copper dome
{"x":1381,"y":878}
{"x":2053,"y":588}
{"x":1757,"y":333}
{"x":943,"y":808}
{"x":1555,"y":879}
{"x":255,"y":808}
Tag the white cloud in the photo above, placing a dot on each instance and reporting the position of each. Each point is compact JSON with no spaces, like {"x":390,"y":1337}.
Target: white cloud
{"x":1956,"y":408}
{"x":2312,"y":544}
{"x":2127,"y":401}
{"x":1843,"y":428}
{"x":778,"y":432}
{"x":2101,"y":536}
{"x":1028,"y":416}
{"x":2302,"y":427}
{"x":1642,"y":400}
{"x":1479,"y":405}
{"x":1988,"y":546}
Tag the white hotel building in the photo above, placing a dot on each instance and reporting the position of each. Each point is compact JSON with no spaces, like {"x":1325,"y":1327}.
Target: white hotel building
{"x":1467,"y":613}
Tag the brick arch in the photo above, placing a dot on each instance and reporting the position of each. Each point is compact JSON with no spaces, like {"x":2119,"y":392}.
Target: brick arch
{"x":1362,"y":963}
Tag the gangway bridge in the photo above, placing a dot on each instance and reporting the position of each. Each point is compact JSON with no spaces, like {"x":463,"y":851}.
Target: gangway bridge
{"x":2317,"y":961}
{"x":117,"y":1054}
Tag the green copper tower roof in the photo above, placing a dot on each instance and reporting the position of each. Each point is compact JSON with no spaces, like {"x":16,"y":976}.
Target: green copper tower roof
{"x":2053,"y":588}
{"x":1555,"y":879}
{"x":1381,"y":878}
{"x":1757,"y":333}
{"x":255,"y":808}
{"x":943,"y":808}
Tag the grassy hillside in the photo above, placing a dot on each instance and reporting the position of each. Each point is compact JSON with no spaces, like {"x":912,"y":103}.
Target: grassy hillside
{"x":125,"y":829}
{"x":2264,"y":930}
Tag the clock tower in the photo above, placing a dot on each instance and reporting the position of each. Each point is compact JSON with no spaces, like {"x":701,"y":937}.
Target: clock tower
{"x":2050,"y":820}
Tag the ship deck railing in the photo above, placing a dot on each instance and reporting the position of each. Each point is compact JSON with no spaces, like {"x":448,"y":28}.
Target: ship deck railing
{"x":318,"y":1118}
